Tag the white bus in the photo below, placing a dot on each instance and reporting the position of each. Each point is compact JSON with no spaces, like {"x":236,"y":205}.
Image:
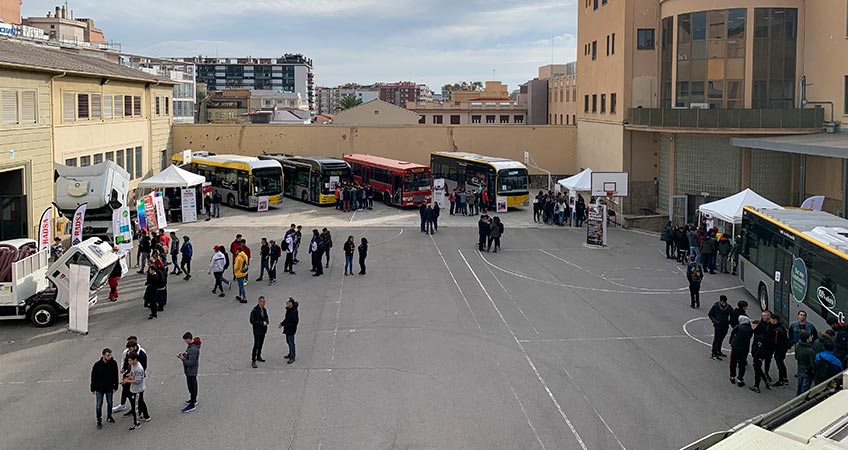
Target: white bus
{"x":240,"y":180}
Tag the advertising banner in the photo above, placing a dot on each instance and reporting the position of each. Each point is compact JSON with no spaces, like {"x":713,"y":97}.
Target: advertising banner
{"x":189,"y":205}
{"x":159,"y":206}
{"x":77,"y":223}
{"x":78,"y":282}
{"x":596,"y":224}
{"x":45,"y":232}
{"x":122,"y":229}
{"x":439,"y":192}
{"x":501,"y":204}
{"x":150,"y":213}
{"x":262,"y":203}
{"x":142,"y":218}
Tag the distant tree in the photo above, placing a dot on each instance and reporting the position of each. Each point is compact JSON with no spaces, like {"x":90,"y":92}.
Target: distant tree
{"x":349,"y":101}
{"x":461,"y":86}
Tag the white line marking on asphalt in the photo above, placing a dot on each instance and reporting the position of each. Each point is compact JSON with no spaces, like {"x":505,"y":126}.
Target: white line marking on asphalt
{"x":338,"y":319}
{"x":709,"y":344}
{"x":609,"y":291}
{"x":497,"y":361}
{"x":601,"y":276}
{"x":527,"y":357}
{"x":390,"y":239}
{"x":513,"y":301}
{"x":612,"y":338}
{"x":352,"y":216}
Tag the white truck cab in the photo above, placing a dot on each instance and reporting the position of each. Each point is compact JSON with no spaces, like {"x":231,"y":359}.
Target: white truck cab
{"x":30,"y":288}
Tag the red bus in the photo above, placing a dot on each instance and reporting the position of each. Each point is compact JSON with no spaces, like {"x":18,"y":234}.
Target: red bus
{"x":401,"y":183}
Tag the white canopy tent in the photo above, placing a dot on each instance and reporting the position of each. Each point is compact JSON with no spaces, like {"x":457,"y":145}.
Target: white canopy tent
{"x":582,"y":182}
{"x":729,"y":209}
{"x":172,"y":177}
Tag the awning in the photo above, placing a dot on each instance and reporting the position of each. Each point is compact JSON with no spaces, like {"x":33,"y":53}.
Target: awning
{"x":729,"y":209}
{"x":580,"y":182}
{"x":172,"y":177}
{"x":823,"y":144}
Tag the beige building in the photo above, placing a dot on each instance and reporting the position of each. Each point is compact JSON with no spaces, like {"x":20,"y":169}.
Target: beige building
{"x":476,"y":112}
{"x":229,"y":106}
{"x":562,"y":93}
{"x":375,"y":112}
{"x":492,"y":90}
{"x":60,"y":25}
{"x":10,"y":11}
{"x":76,"y":110}
{"x":679,"y":94}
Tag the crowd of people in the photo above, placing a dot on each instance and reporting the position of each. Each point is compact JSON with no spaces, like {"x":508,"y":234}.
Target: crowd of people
{"x":709,"y":247}
{"x":353,"y":196}
{"x":470,"y":201}
{"x":554,"y":208}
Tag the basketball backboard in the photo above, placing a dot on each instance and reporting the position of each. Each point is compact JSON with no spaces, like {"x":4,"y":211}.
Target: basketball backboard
{"x":604,"y":183}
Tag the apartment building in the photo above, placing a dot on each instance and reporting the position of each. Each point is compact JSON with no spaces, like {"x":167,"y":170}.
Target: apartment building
{"x":183,"y":74}
{"x":60,"y":107}
{"x":696,"y":100}
{"x":330,"y":97}
{"x":229,"y":106}
{"x":399,"y":93}
{"x":269,"y":99}
{"x":291,"y":73}
{"x":61,"y":25}
{"x":551,"y":97}
{"x":491,"y":106}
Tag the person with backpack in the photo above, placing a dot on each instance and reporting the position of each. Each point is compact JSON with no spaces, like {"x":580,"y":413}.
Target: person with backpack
{"x":724,"y":249}
{"x":720,"y":317}
{"x":240,"y":270}
{"x":740,"y":343}
{"x":174,"y":250}
{"x":316,"y":246}
{"x":216,"y":268}
{"x":806,"y":362}
{"x":186,"y":252}
{"x":840,"y":338}
{"x":826,"y":364}
{"x":695,"y":274}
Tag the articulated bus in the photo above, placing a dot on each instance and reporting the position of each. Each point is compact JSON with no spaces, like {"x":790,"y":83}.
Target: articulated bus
{"x":311,"y":178}
{"x":793,"y":259}
{"x":401,"y":183}
{"x":239,"y":179}
{"x":501,"y":176}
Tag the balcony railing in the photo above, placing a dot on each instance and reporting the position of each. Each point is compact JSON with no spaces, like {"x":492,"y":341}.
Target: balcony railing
{"x":726,"y":118}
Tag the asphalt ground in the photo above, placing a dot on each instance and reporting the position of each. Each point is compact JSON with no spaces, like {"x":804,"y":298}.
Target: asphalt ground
{"x":547,"y":344}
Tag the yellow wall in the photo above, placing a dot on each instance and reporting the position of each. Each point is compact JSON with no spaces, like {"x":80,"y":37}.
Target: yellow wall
{"x":552,"y":147}
{"x":824,"y":177}
{"x":600,"y":146}
{"x":825,"y":57}
{"x":31,"y":145}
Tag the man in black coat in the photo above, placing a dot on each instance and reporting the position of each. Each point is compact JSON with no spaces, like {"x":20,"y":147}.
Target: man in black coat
{"x":483,"y":229}
{"x":720,"y":317}
{"x":422,"y":212}
{"x":316,"y":247}
{"x":289,"y":326}
{"x":259,"y":321}
{"x":761,"y":348}
{"x":740,"y":343}
{"x":104,"y":381}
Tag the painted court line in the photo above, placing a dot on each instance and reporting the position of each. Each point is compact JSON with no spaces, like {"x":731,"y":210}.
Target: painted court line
{"x":513,"y":301}
{"x":612,"y":338}
{"x":497,"y":361}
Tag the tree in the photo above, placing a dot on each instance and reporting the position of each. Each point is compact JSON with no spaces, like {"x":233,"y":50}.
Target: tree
{"x":461,"y":86}
{"x":349,"y":101}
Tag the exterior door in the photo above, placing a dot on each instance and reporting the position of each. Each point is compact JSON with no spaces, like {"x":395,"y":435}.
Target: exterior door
{"x":244,"y":188}
{"x":782,"y":288}
{"x":677,"y":208}
{"x":13,"y":217}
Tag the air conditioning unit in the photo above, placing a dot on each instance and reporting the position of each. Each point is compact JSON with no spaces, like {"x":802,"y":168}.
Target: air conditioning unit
{"x":699,"y":106}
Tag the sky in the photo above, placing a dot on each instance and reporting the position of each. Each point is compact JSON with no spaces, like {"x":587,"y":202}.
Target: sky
{"x":350,"y":41}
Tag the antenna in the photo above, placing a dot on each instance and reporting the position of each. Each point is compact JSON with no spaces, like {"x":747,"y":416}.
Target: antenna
{"x":493,"y":75}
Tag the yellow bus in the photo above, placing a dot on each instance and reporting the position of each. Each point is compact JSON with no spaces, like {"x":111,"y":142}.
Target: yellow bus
{"x":311,"y":179}
{"x":240,"y":180}
{"x":500,"y":176}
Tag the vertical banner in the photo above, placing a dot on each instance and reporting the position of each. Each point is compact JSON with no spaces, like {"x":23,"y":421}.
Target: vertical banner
{"x":122,"y":229}
{"x":159,"y":206}
{"x":501,"y":204}
{"x":189,"y":204}
{"x":596,"y":224}
{"x":150,"y":213}
{"x":78,"y":283}
{"x":77,"y":223}
{"x":439,"y":192}
{"x":262,"y":203}
{"x":142,"y":217}
{"x":45,"y":232}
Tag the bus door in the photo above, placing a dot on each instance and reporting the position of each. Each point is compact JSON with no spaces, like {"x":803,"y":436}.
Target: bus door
{"x":244,"y":191}
{"x":782,"y":284}
{"x":397,"y":188}
{"x":315,"y":184}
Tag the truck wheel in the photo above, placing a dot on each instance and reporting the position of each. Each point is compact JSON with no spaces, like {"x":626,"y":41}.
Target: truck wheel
{"x":763,"y":297}
{"x":43,"y":315}
{"x":304,"y":197}
{"x":231,"y":201}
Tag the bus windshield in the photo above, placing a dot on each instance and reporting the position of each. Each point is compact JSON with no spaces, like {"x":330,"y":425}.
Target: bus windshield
{"x":414,"y":182}
{"x":267,"y":181}
{"x":512,"y":181}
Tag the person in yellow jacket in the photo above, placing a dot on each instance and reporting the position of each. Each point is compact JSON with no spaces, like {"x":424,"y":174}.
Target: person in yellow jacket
{"x":240,"y":272}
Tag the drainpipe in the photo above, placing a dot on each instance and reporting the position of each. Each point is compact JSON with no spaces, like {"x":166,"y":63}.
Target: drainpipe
{"x":830,"y":126}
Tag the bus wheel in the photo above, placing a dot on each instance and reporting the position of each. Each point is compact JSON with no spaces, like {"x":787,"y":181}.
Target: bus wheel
{"x":43,"y":315}
{"x":304,"y":196}
{"x":231,"y":201}
{"x":763,"y":297}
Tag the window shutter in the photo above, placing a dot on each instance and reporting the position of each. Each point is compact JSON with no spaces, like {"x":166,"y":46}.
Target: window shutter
{"x":137,"y":106}
{"x":167,"y":107}
{"x":158,"y":111}
{"x":9,"y":100}
{"x":107,"y":106}
{"x":82,"y":106}
{"x":95,"y":106}
{"x":29,"y":112}
{"x":127,"y":106}
{"x":69,"y":106}
{"x":119,"y":106}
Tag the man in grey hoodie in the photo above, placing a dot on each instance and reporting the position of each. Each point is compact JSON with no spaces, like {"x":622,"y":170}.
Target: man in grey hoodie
{"x":191,"y":361}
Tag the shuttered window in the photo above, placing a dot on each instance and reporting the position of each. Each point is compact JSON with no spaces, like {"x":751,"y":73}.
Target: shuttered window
{"x":9,"y":99}
{"x":119,"y":106}
{"x":29,"y":110}
{"x":167,"y":103}
{"x":158,"y":111}
{"x":138,"y":162}
{"x":130,"y":166}
{"x":107,"y":106}
{"x":82,"y":106}
{"x":69,"y":106}
{"x":137,"y":106}
{"x":95,"y":106}
{"x":128,"y":107}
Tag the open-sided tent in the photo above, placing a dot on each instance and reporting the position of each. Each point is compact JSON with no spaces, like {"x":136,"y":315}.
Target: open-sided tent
{"x":582,"y":182}
{"x":172,"y":177}
{"x":729,"y":209}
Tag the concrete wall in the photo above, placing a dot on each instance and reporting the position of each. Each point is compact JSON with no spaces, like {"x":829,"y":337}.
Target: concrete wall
{"x":553,"y":147}
{"x":824,"y":177}
{"x":31,"y":145}
{"x":376,"y":112}
{"x":600,"y":146}
{"x":823,"y":40}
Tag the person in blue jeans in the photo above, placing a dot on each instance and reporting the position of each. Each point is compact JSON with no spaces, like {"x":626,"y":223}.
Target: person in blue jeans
{"x":806,"y":358}
{"x":289,"y":327}
{"x":104,"y":383}
{"x":349,"y":249}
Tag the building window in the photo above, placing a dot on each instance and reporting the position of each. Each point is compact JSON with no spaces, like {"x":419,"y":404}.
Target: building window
{"x":519,"y":119}
{"x":421,"y":120}
{"x":128,"y":106}
{"x":613,"y":100}
{"x":138,"y":162}
{"x":119,"y":106}
{"x":167,"y":106}
{"x":608,"y":46}
{"x":110,"y":156}
{"x":454,"y":120}
{"x":560,"y":119}
{"x":566,"y":119}
{"x":96,"y":106}
{"x":437,"y":120}
{"x":846,"y":94}
{"x":98,"y":158}
{"x":603,"y":2}
{"x":645,"y":39}
{"x":82,"y":111}
{"x":594,"y":103}
{"x":85,"y":161}
{"x":504,"y":119}
{"x":137,"y":106}
{"x":69,"y":106}
{"x":130,"y":163}
{"x":71,"y":162}
{"x":10,"y":107}
{"x":603,"y":103}
{"x":667,"y":59}
{"x":613,"y":44}
{"x":586,"y":103}
{"x":490,"y":119}
{"x":594,"y":50}
{"x":775,"y":52}
{"x":595,"y":4}
{"x":119,"y":158}
{"x":157,"y":110}
{"x":475,"y":119}
{"x":107,"y":106}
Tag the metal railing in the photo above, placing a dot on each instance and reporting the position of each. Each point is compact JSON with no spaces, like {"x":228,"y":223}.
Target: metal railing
{"x":726,"y":118}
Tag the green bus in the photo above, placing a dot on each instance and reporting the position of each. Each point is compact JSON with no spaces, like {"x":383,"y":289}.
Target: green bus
{"x":794,"y":259}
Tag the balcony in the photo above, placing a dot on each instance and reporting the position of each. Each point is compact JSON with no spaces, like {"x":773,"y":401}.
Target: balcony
{"x":726,"y":119}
